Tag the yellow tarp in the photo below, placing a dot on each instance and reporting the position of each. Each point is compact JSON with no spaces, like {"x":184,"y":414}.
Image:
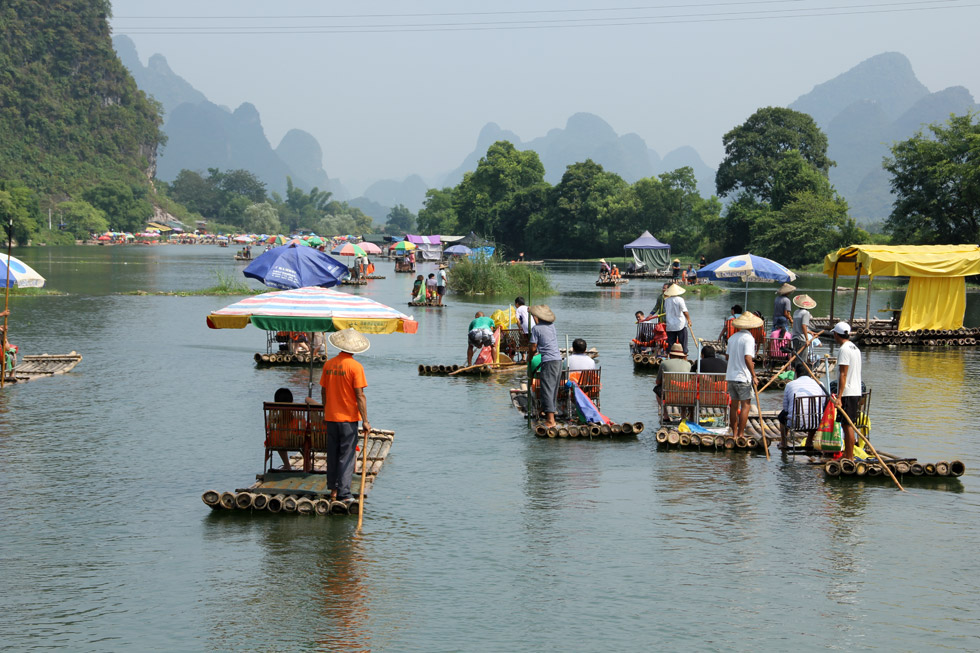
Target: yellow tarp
{"x":932,"y":303}
{"x":936,"y":298}
{"x":905,"y":260}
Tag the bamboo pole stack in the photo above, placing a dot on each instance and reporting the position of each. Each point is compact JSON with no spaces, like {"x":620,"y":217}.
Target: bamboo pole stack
{"x":589,"y":431}
{"x":646,"y":361}
{"x":846,"y":467}
{"x":671,"y":438}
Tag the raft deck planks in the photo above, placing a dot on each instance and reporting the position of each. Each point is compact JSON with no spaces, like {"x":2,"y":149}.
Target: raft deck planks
{"x":43,"y":365}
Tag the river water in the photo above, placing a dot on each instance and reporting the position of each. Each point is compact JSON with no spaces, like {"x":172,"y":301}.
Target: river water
{"x":478,"y":536}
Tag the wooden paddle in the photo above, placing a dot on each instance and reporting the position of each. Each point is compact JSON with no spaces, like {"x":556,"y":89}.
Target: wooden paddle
{"x":364,"y":462}
{"x":857,"y":432}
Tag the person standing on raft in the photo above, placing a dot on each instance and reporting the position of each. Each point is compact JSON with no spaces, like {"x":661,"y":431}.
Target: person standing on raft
{"x":741,"y":371}
{"x":544,"y":339}
{"x":848,"y":383}
{"x":677,"y":319}
{"x":782,"y":317}
{"x":801,"y":323}
{"x":342,"y":384}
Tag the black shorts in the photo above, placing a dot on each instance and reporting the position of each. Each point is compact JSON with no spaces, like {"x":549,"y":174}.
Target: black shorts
{"x":851,"y":406}
{"x":441,"y":290}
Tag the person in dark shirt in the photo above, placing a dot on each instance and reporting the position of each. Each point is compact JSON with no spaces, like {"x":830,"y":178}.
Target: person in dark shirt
{"x":710,"y":364}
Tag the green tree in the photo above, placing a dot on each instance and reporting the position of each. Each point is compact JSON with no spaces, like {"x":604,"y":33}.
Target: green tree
{"x":580,"y":210}
{"x":82,"y":219}
{"x":936,"y":183}
{"x":245,"y":184}
{"x":808,"y":226}
{"x":400,"y":220}
{"x":301,"y":210}
{"x":753,"y":148}
{"x":479,"y":199}
{"x":437,"y":215}
{"x":196,"y":193}
{"x":671,"y":207}
{"x":262,"y":218}
{"x":19,"y":209}
{"x":125,"y":206}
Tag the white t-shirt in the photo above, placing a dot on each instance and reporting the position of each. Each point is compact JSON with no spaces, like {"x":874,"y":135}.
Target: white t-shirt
{"x":577,"y":362}
{"x":675,"y":308}
{"x":524,"y":319}
{"x":850,"y":355}
{"x":740,"y":345}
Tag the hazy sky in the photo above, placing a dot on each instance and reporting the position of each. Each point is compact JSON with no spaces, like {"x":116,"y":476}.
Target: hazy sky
{"x":391,"y":88}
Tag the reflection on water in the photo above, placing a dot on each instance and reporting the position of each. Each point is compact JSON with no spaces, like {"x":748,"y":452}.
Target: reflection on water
{"x":478,"y":535}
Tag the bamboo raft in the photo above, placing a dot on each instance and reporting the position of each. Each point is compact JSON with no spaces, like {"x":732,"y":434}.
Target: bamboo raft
{"x":648,"y":362}
{"x":302,"y":493}
{"x":239,"y":257}
{"x":589,"y":431}
{"x":354,"y":282}
{"x":878,"y":332}
{"x":904,"y":469}
{"x":461,"y":370}
{"x":649,"y":275}
{"x":611,"y":283}
{"x":41,"y":366}
{"x":427,"y":305}
{"x":285,"y":358}
{"x":375,"y":276}
{"x":669,"y":437}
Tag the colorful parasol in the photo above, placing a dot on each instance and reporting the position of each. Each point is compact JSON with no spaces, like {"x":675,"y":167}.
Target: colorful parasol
{"x":403,"y":246}
{"x":370,"y":248}
{"x":312,"y":309}
{"x":348,"y":249}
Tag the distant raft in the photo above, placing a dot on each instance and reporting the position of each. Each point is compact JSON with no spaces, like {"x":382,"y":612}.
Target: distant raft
{"x":285,"y":358}
{"x":605,"y":283}
{"x":42,"y":366}
{"x":354,"y":282}
{"x":427,"y":305}
{"x":305,"y":493}
{"x":375,"y":276}
{"x":589,"y":431}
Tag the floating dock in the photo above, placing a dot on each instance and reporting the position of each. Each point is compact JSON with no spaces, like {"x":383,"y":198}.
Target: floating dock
{"x":41,"y":366}
{"x":306,"y":493}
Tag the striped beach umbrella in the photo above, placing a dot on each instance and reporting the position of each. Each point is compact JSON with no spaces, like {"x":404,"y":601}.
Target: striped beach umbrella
{"x":312,"y":309}
{"x":348,"y":249}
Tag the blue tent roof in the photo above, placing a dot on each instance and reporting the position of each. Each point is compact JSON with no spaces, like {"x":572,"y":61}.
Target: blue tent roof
{"x":646,"y":241}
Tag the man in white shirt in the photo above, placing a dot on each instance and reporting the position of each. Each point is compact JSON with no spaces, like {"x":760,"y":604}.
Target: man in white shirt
{"x":676,"y":319}
{"x":578,"y":360}
{"x":741,"y":371}
{"x":524,"y":320}
{"x":848,"y":383}
{"x":803,"y":385}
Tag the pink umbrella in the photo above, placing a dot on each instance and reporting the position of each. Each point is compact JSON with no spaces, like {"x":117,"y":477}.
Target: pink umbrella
{"x":370,"y":248}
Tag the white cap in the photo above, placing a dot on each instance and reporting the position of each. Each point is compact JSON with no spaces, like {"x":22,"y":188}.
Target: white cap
{"x":842,"y":328}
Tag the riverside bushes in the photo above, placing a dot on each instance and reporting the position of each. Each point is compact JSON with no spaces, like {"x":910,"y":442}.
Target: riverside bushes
{"x":491,"y":276}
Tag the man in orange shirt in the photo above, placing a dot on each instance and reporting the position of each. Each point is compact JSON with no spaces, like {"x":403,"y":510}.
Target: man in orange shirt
{"x":342,"y":384}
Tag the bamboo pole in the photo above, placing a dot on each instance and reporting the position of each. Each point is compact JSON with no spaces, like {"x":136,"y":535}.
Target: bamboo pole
{"x":857,"y":431}
{"x":833,"y":292}
{"x":782,"y":369}
{"x":762,"y":422}
{"x":360,"y":498}
{"x":867,"y":307}
{"x":857,"y":284}
{"x":6,"y":307}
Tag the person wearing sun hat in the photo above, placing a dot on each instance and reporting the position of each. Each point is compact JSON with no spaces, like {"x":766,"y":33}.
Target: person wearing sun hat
{"x":741,"y":371}
{"x":342,"y":384}
{"x":782,"y":317}
{"x":676,"y":318}
{"x":801,"y":321}
{"x":544,"y":340}
{"x":676,"y":362}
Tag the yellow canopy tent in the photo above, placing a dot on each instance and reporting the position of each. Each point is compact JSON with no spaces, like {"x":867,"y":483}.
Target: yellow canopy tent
{"x":936,"y":298}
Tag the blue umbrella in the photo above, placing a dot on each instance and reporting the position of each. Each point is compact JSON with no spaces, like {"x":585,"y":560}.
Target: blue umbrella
{"x":458,"y":250}
{"x":747,"y":267}
{"x":293,"y":266}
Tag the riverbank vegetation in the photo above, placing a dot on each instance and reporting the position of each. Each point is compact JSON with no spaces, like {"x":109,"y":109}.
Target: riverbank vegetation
{"x":225,"y":284}
{"x":491,"y":276}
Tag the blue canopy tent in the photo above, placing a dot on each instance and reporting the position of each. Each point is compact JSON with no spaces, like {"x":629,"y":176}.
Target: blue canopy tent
{"x":649,"y":254}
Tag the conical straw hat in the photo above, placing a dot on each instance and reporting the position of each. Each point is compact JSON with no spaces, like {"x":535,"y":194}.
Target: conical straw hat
{"x":747,"y":321}
{"x":349,"y":340}
{"x":804,"y":301}
{"x":673,"y":290}
{"x":786,"y":289}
